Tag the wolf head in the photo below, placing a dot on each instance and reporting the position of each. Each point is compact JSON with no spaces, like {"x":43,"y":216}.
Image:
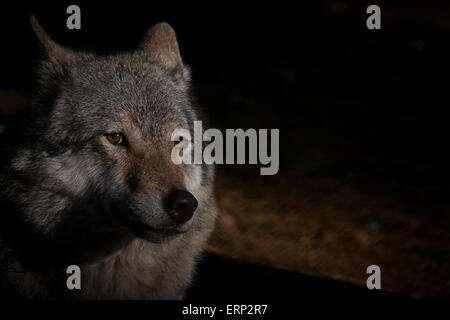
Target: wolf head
{"x":93,"y":168}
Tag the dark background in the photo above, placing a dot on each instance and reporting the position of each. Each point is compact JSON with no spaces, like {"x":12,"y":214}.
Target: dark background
{"x":364,"y":111}
{"x":347,"y":99}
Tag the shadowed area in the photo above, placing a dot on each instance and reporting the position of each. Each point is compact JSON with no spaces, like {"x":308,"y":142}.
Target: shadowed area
{"x":223,"y":279}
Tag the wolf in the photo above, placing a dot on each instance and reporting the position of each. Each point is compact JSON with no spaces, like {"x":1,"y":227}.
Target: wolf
{"x":87,"y":179}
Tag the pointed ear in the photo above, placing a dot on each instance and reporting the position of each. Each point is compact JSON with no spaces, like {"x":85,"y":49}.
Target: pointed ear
{"x":161,"y":40}
{"x":56,"y":53}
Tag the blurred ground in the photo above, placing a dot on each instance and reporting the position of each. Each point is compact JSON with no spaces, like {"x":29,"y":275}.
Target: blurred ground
{"x":336,"y":228}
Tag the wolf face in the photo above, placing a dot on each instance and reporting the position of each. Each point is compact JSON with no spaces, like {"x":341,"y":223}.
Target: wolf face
{"x":90,"y":171}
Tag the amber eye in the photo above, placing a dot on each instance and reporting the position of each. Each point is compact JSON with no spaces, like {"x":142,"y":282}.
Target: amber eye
{"x":115,"y":138}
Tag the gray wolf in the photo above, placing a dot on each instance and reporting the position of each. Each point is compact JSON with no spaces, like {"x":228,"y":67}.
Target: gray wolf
{"x":87,"y":178}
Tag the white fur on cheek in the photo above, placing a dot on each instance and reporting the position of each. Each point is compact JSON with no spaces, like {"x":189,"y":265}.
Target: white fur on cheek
{"x":68,"y":171}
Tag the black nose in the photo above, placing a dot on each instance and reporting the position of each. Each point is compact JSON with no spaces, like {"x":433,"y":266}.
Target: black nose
{"x":181,"y":205}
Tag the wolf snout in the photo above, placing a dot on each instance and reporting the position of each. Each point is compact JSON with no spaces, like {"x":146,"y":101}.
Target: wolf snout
{"x":180,"y":205}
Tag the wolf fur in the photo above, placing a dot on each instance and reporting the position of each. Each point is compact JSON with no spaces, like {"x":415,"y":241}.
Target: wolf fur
{"x":67,"y":193}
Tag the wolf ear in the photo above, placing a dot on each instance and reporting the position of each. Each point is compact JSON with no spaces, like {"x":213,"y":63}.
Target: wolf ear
{"x":161,"y":40}
{"x":56,"y":53}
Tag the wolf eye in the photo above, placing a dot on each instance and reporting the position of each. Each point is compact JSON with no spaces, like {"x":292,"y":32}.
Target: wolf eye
{"x":115,"y":138}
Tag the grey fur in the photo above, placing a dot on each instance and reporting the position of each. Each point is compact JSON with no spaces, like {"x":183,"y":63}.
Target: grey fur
{"x":65,"y":191}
